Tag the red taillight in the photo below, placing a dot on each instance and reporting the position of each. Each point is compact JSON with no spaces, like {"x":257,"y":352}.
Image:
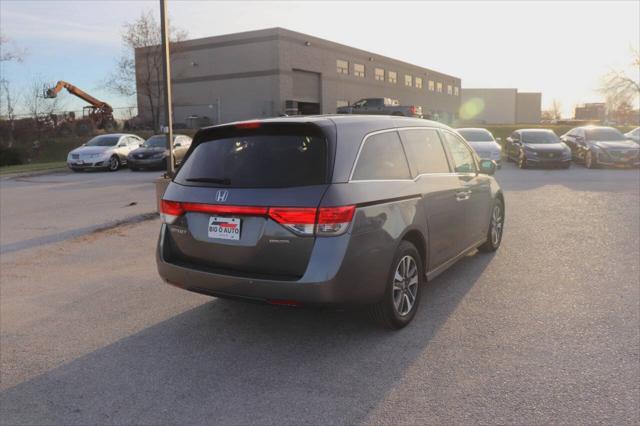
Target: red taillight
{"x":336,"y":214}
{"x":334,"y":220}
{"x":221,"y":209}
{"x":412,"y":109}
{"x":325,"y":221}
{"x":248,"y":125}
{"x":170,"y":211}
{"x":299,"y":220}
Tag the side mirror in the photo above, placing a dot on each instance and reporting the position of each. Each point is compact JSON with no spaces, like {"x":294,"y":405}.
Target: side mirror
{"x":498,"y":140}
{"x":487,"y":167}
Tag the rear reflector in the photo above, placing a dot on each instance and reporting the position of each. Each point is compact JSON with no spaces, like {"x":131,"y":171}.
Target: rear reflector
{"x":324,"y":221}
{"x":281,"y":302}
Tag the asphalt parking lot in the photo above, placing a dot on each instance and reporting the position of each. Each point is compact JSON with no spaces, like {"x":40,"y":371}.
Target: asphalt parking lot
{"x":546,"y":330}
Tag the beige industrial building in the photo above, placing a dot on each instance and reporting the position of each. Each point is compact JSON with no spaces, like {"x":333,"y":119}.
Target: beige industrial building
{"x":500,"y":106}
{"x":269,"y":72}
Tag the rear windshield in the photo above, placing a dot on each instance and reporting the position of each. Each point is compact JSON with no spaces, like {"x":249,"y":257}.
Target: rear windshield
{"x":476,"y":135}
{"x":604,"y":134}
{"x":539,"y":137}
{"x":256,"y":160}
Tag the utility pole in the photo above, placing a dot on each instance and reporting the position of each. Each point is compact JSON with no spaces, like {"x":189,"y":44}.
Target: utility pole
{"x":166,"y":71}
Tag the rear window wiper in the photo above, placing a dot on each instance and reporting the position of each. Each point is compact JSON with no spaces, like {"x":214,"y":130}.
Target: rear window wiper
{"x":221,"y":181}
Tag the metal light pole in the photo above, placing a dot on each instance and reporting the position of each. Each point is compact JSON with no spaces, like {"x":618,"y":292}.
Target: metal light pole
{"x":166,"y":72}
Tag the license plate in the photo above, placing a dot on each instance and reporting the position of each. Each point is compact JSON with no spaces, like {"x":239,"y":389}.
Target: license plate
{"x":224,"y":228}
{"x":79,"y":162}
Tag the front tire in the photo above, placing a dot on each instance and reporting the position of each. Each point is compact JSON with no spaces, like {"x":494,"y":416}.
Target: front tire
{"x":589,"y":161}
{"x":522,"y":161}
{"x":114,"y":163}
{"x":496,"y":227}
{"x":402,"y":293}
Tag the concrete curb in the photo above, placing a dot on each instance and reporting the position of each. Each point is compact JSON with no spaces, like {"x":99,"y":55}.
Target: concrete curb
{"x":74,"y":233}
{"x":16,"y":175}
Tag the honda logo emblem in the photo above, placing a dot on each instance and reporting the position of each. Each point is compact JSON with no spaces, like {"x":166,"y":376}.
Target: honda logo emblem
{"x":222,"y":195}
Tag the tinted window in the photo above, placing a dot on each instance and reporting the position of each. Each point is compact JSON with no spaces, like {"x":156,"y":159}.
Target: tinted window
{"x":105,"y":140}
{"x":604,"y":134}
{"x":424,"y":151}
{"x":462,"y":157}
{"x":157,"y":141}
{"x":382,"y":157}
{"x":539,"y":137}
{"x":476,"y":135}
{"x":257,"y":161}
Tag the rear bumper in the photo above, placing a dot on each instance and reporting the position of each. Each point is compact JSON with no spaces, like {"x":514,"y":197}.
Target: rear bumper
{"x":333,"y":276}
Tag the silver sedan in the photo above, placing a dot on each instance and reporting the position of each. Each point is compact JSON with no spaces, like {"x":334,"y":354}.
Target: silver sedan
{"x":103,"y":152}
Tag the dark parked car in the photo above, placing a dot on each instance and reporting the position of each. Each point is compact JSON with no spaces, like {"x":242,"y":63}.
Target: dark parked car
{"x":154,"y":152}
{"x":381,"y":106}
{"x":602,"y":146}
{"x":537,"y":147}
{"x":338,"y":210}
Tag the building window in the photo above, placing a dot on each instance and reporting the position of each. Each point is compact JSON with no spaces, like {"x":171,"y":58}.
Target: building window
{"x":342,"y":66}
{"x":456,"y":91}
{"x":449,"y":89}
{"x":341,"y":103}
{"x":379,"y":74}
{"x":408,"y":80}
{"x":393,"y":77}
{"x":439,"y":87}
{"x":432,"y":85}
{"x":418,"y":83}
{"x":358,"y":70}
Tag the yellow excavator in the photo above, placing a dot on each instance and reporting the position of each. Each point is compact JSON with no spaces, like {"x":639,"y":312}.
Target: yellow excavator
{"x":97,"y":115}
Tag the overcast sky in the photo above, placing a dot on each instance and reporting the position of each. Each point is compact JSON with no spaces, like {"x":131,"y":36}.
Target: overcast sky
{"x":558,"y":48}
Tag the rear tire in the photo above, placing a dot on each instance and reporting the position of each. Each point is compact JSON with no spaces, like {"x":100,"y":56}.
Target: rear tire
{"x":402,"y":293}
{"x":496,"y":227}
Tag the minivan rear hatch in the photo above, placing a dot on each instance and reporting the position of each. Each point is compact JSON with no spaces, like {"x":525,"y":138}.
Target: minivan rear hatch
{"x":246,"y":198}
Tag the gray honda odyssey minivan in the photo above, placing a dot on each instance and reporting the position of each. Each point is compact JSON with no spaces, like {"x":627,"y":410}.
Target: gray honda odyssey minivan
{"x":331,"y":210}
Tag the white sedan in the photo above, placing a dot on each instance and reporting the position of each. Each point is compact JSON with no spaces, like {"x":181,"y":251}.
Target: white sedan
{"x":103,"y":152}
{"x":484,"y":144}
{"x":634,"y":135}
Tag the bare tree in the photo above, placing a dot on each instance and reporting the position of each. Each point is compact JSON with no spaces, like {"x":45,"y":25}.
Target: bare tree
{"x":621,"y":87}
{"x":556,"y":109}
{"x":9,"y":52}
{"x":141,"y":40}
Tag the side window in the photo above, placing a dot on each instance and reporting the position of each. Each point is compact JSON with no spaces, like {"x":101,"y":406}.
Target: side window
{"x":382,"y":158}
{"x":463,"y":161}
{"x":425,"y":151}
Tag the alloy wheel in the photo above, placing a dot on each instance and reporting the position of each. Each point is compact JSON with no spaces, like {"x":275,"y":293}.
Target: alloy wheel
{"x":405,"y":285}
{"x":522,"y":161}
{"x":113,"y":164}
{"x":496,"y":225}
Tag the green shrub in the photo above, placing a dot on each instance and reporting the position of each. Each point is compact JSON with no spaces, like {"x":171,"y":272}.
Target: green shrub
{"x":10,"y":156}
